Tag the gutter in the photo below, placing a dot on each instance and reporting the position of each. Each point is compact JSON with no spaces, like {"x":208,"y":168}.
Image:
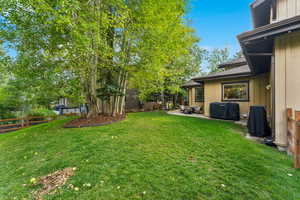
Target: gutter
{"x":241,"y":75}
{"x":267,"y":32}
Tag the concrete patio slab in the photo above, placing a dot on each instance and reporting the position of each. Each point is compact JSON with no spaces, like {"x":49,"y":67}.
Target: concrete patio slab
{"x":201,"y":116}
{"x":179,"y":113}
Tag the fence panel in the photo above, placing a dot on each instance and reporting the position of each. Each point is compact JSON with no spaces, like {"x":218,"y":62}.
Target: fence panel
{"x":7,"y":125}
{"x":294,"y":135}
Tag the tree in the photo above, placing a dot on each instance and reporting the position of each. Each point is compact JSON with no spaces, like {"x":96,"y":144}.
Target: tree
{"x":97,"y":45}
{"x":238,"y":54}
{"x":5,"y":62}
{"x":168,"y":82}
{"x":216,"y":57}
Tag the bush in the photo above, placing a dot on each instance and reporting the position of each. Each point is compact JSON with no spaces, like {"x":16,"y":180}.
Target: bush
{"x":42,"y":112}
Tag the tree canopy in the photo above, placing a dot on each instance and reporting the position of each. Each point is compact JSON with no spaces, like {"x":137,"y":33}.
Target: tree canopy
{"x":216,"y":57}
{"x":91,"y":49}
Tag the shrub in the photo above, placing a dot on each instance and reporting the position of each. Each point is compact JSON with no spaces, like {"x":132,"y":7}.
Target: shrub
{"x":42,"y":112}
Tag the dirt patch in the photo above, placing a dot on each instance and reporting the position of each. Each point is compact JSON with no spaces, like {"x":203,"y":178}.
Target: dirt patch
{"x":95,"y":121}
{"x":52,"y":181}
{"x":192,"y":159}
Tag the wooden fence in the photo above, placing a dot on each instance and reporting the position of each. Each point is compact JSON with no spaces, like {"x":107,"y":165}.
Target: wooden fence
{"x":294,"y":135}
{"x":7,"y":125}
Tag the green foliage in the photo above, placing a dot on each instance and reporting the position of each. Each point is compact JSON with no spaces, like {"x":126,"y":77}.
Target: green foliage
{"x":94,"y":47}
{"x":169,"y":79}
{"x":5,"y":63}
{"x":216,"y":57}
{"x":10,"y":99}
{"x":18,"y":98}
{"x":105,"y":92}
{"x":43,"y":112}
{"x":238,"y":54}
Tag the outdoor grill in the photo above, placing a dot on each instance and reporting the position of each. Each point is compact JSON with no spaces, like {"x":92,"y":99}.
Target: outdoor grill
{"x":258,"y":125}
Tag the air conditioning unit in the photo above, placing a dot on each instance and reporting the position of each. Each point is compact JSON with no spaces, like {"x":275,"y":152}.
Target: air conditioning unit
{"x":226,"y":111}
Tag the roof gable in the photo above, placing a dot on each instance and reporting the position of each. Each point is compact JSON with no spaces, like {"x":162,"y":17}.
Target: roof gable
{"x":234,"y":63}
{"x":191,"y":83}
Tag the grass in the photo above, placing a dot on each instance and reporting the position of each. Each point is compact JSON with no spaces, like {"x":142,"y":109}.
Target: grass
{"x":151,"y":156}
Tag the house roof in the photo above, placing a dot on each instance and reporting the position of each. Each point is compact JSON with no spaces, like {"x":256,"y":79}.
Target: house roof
{"x":236,"y":72}
{"x":234,"y":63}
{"x":258,"y":44}
{"x":191,"y":83}
{"x":273,"y":29}
{"x":257,"y":3}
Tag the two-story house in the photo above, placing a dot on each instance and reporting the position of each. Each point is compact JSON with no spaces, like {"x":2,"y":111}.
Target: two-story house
{"x":274,"y":46}
{"x":270,"y":74}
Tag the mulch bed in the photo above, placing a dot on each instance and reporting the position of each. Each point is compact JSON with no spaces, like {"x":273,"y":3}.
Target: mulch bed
{"x":95,"y":121}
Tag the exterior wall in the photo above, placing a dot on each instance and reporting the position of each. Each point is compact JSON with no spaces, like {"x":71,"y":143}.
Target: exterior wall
{"x":192,"y":97}
{"x":287,"y":82}
{"x":258,"y":93}
{"x":287,"y":9}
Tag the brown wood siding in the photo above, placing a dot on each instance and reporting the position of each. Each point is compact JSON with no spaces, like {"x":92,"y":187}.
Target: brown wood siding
{"x":258,"y":93}
{"x":192,"y":97}
{"x":287,"y":82}
{"x":287,"y":9}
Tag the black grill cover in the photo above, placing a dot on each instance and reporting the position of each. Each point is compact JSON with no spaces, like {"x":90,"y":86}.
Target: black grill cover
{"x":257,"y":123}
{"x":227,"y":111}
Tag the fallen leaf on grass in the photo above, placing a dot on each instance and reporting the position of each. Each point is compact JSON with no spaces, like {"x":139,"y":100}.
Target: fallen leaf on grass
{"x":52,"y":182}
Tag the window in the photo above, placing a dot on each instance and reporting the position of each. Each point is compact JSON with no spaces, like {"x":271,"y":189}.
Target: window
{"x":274,"y":10}
{"x":235,"y":91}
{"x":199,"y":96}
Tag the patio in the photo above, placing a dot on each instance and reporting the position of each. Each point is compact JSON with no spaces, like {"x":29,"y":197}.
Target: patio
{"x":242,"y":122}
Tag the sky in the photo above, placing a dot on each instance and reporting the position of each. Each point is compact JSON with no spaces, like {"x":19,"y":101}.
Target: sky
{"x":218,"y":22}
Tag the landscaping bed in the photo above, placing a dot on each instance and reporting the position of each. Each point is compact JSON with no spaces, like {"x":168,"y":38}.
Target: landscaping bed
{"x":94,"y":121}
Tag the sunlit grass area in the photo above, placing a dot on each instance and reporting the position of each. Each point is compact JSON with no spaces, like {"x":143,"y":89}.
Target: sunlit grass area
{"x":151,"y":156}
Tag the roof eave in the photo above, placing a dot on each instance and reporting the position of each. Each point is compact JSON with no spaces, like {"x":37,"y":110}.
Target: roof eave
{"x":274,"y":29}
{"x":232,"y":65}
{"x":264,"y":35}
{"x":240,"y":75}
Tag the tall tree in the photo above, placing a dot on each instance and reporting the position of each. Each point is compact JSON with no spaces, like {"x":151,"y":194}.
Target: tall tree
{"x":100,"y":44}
{"x":174,"y":75}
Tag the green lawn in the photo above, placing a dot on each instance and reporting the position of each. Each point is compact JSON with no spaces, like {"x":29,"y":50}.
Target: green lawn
{"x":148,"y":156}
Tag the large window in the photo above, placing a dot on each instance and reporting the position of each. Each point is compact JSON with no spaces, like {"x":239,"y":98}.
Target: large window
{"x":235,"y":91}
{"x":199,"y":94}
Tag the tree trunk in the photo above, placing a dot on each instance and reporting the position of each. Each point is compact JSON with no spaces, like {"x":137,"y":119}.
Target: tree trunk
{"x":91,"y":96}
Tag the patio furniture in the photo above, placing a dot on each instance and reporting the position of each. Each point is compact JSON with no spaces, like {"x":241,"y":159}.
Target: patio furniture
{"x":226,"y":111}
{"x":182,"y":108}
{"x":258,"y":125}
{"x":197,"y":109}
{"x":188,"y":110}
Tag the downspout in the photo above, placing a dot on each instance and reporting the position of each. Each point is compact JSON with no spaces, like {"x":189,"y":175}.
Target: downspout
{"x":273,"y":100}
